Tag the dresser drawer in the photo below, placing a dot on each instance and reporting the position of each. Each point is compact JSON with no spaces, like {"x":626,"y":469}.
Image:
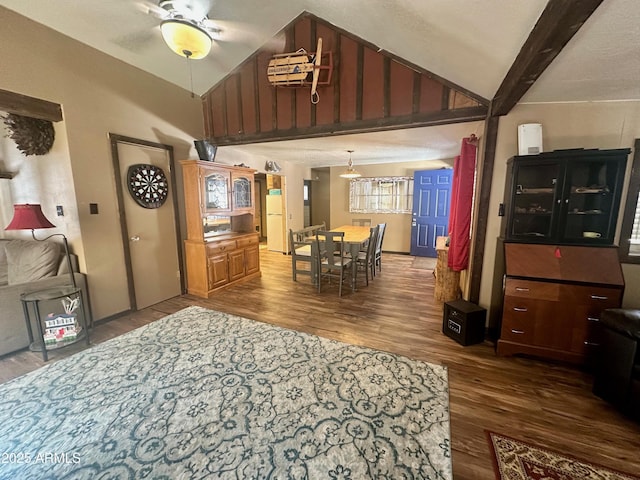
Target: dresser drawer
{"x":518,"y":320}
{"x":599,"y":297}
{"x":518,"y":307}
{"x":517,"y":330}
{"x":247,"y":241}
{"x":530,"y":289}
{"x":220,"y":247}
{"x":586,"y":339}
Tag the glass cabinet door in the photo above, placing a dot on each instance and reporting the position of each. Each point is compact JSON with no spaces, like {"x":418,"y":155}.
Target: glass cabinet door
{"x":568,"y":197}
{"x":535,"y":195}
{"x":242,"y":197}
{"x":589,"y":200}
{"x":216,"y":192}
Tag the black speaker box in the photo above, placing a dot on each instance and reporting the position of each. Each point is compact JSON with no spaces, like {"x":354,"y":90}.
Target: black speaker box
{"x":464,"y":322}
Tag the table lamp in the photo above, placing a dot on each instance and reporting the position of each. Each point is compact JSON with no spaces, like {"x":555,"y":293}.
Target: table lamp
{"x":30,"y":217}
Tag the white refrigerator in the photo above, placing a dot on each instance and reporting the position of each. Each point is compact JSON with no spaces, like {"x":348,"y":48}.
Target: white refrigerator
{"x":275,"y":224}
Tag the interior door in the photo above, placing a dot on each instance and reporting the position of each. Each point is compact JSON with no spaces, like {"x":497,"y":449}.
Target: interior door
{"x":150,"y":235}
{"x":431,"y":203}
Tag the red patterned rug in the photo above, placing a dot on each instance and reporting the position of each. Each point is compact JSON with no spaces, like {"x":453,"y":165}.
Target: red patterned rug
{"x":516,"y":460}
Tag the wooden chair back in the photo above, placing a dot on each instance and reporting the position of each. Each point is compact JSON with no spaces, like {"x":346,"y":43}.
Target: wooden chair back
{"x":362,"y":222}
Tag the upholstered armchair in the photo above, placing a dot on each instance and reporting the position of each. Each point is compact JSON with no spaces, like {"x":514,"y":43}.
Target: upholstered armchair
{"x":617,"y":369}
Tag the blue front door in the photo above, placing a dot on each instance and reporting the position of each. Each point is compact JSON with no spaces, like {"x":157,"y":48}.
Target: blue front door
{"x":430,"y":218}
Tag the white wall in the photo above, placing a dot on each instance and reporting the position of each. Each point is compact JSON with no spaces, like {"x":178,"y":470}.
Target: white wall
{"x":601,"y":125}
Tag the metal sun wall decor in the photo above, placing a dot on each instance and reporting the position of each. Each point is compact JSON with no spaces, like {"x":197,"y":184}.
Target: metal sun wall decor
{"x":147,"y":185}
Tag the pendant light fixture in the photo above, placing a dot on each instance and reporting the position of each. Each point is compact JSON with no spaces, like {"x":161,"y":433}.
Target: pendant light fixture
{"x":350,"y":172}
{"x":186,"y":38}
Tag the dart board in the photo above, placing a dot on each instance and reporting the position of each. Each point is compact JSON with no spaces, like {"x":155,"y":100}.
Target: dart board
{"x":148,"y":185}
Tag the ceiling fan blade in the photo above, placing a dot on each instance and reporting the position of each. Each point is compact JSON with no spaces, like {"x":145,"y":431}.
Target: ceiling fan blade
{"x":153,"y":9}
{"x":245,"y":34}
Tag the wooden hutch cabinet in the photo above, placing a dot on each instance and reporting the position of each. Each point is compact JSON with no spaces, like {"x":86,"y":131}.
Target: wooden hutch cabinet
{"x":221,"y":246}
{"x":565,"y":196}
{"x":561,"y":268}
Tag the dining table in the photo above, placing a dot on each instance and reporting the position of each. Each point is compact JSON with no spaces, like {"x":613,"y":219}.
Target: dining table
{"x":355,"y":238}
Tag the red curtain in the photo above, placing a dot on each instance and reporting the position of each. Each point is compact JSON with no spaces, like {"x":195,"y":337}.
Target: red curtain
{"x":461,"y":202}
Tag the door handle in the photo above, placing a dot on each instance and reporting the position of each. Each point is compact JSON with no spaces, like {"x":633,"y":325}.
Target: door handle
{"x":134,"y":238}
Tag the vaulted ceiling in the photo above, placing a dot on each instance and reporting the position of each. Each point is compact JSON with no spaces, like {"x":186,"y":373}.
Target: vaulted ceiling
{"x":471,"y":43}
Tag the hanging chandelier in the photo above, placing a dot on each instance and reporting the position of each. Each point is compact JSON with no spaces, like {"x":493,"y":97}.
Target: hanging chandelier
{"x":350,"y":172}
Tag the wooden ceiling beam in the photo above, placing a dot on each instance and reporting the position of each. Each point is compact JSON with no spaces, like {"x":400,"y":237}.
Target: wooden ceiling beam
{"x":558,"y":23}
{"x":16,"y":103}
{"x":461,"y":115}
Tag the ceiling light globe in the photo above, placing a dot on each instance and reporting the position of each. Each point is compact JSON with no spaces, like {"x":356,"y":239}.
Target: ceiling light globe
{"x":186,"y":39}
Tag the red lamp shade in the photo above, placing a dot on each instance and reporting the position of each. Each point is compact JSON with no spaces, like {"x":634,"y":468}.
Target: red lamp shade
{"x":28,"y":217}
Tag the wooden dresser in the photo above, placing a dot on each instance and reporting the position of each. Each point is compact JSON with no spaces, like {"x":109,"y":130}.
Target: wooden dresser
{"x":222,"y":245}
{"x":553,"y":297}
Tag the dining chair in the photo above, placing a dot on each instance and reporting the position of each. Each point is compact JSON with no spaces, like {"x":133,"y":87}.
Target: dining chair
{"x":362,"y":222}
{"x":332,"y":261}
{"x":300,"y":252}
{"x":366,"y":259}
{"x":378,"y":253}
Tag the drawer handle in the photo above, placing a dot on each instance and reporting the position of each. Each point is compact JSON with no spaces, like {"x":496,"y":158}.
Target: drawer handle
{"x":517,"y":332}
{"x":593,"y":319}
{"x":599,"y":297}
{"x":592,"y":344}
{"x":521,"y":289}
{"x":521,"y":309}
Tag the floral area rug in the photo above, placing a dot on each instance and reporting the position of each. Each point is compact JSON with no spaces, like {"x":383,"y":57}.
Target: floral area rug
{"x":202,"y":394}
{"x":517,"y":460}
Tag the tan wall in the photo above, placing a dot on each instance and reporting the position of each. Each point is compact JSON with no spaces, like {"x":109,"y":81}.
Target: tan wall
{"x":397,"y":237}
{"x":99,"y":95}
{"x":567,"y":125}
{"x":320,"y":196}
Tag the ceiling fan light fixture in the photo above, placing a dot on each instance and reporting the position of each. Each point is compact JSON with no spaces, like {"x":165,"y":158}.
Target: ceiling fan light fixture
{"x":185,"y":38}
{"x":350,"y":172}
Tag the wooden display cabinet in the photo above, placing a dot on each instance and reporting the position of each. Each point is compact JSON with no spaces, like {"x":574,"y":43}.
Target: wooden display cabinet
{"x":222,"y":245}
{"x":553,"y":297}
{"x":567,"y":197}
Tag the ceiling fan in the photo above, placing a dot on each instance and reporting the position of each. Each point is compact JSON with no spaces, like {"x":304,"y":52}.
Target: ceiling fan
{"x":191,"y":18}
{"x":186,"y":28}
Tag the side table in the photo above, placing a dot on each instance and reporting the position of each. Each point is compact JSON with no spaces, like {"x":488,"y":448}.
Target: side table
{"x":58,"y":319}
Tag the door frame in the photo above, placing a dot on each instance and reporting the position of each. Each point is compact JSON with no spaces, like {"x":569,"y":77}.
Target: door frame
{"x":115,"y":140}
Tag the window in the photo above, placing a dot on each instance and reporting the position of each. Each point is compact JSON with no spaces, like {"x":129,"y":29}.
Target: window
{"x":381,"y":195}
{"x":630,"y":233}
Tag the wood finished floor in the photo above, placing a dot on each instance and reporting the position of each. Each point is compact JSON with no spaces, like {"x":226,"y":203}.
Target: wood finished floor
{"x":545,"y":403}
